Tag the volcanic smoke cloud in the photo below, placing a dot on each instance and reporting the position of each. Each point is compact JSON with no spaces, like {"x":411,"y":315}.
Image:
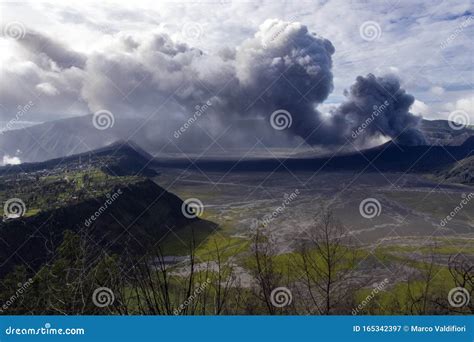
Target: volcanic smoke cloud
{"x":283,"y":66}
{"x":386,"y":105}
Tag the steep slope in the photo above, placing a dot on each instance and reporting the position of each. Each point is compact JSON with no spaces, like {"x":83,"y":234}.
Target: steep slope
{"x":439,"y":132}
{"x":103,"y":194}
{"x":138,"y":217}
{"x":120,"y":158}
{"x":459,"y":172}
{"x":64,"y":137}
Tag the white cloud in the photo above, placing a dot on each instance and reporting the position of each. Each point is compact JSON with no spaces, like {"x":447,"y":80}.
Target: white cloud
{"x":7,"y":160}
{"x":434,"y":75}
{"x":327,"y":108}
{"x":420,"y":108}
{"x":437,"y":90}
{"x":466,"y":104}
{"x":47,"y":89}
{"x":463,"y":107}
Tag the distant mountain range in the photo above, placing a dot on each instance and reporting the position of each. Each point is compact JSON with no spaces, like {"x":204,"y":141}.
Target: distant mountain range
{"x":448,"y":146}
{"x":66,"y":137}
{"x":62,"y":138}
{"x":439,"y":132}
{"x":388,"y":157}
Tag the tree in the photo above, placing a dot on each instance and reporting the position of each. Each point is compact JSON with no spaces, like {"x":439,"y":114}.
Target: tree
{"x":264,"y":270}
{"x":420,"y":294}
{"x":326,"y":264}
{"x":462,"y":273}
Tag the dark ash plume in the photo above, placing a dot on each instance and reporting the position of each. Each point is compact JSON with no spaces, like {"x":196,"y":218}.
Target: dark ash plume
{"x":283,"y":67}
{"x":379,"y":106}
{"x":286,"y":67}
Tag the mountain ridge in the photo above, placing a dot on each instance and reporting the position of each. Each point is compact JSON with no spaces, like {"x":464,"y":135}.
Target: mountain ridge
{"x":106,"y":193}
{"x":129,"y":158}
{"x":389,"y":157}
{"x":65,"y":137}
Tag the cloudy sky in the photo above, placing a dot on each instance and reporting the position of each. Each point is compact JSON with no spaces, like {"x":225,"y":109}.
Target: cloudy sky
{"x":54,"y":54}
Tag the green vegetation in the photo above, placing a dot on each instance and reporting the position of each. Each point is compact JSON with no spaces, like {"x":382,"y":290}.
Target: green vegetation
{"x":149,"y":285}
{"x":155,"y":261}
{"x":228,"y":246}
{"x":48,"y":190}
